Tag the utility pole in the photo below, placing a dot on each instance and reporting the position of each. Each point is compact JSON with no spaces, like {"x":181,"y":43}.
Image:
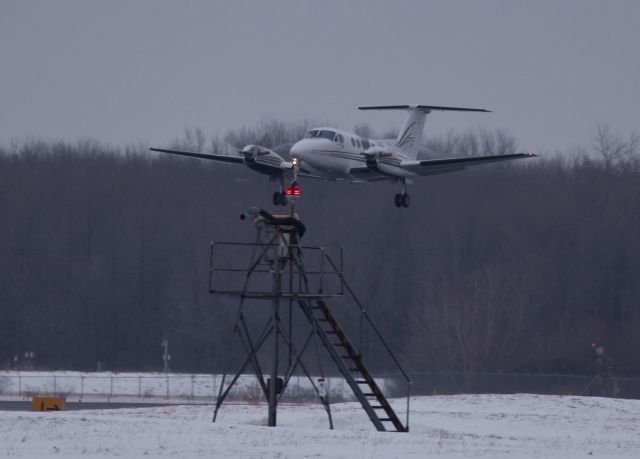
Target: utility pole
{"x":165,"y":355}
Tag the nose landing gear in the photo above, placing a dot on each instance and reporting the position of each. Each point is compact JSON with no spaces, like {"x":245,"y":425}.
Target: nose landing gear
{"x":279,"y":198}
{"x":282,"y":197}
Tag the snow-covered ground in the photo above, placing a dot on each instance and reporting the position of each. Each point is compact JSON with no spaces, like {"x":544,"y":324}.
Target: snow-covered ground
{"x":514,"y":426}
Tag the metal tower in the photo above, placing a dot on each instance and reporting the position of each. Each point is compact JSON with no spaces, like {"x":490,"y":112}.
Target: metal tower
{"x":276,"y":273}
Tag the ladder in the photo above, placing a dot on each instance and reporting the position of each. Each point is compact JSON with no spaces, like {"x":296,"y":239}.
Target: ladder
{"x":351,"y":366}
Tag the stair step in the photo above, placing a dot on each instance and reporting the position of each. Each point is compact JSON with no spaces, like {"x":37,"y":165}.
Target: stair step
{"x":362,"y":381}
{"x":380,"y":407}
{"x":385,"y":419}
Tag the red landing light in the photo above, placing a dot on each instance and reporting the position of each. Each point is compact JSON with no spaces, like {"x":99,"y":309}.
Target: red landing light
{"x":293,"y":192}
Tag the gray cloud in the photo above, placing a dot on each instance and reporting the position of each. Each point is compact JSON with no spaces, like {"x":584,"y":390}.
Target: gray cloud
{"x":127,"y":71}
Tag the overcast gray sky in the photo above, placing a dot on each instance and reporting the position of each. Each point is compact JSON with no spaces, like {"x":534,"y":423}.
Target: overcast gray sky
{"x":128,"y":71}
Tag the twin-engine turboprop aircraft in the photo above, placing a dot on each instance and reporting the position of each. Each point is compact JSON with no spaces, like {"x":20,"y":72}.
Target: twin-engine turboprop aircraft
{"x":331,"y":154}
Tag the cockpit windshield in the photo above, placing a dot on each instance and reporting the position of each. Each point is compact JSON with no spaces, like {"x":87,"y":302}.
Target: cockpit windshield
{"x":321,"y":134}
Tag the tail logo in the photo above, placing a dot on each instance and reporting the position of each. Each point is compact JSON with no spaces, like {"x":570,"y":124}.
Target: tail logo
{"x":407,"y":136}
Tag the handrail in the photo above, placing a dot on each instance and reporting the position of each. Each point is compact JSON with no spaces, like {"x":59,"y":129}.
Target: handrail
{"x":320,"y":273}
{"x":373,"y":326}
{"x":378,"y":334}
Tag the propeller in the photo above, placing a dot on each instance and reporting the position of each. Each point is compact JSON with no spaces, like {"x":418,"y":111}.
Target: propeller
{"x":283,"y":149}
{"x":250,"y":152}
{"x":372,"y":156}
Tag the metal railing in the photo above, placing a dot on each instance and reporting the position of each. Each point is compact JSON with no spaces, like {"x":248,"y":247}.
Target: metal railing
{"x":323,"y":279}
{"x":400,"y":375}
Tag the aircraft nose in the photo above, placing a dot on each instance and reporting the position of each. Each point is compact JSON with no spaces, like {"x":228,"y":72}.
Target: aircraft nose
{"x":298,"y":149}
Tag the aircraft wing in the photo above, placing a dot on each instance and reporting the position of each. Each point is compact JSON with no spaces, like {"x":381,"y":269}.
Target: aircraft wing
{"x":365,"y":174}
{"x":223,"y":158}
{"x":439,"y":166}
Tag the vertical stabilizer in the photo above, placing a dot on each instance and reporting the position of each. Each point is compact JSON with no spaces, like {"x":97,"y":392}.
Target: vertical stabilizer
{"x":411,"y":132}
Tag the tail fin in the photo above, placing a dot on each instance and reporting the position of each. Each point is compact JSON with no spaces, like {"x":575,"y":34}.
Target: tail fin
{"x":414,"y":125}
{"x":411,"y":133}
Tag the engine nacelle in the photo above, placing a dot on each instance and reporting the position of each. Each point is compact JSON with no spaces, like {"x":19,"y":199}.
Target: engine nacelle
{"x":373,"y":154}
{"x":252,"y":152}
{"x":395,"y":171}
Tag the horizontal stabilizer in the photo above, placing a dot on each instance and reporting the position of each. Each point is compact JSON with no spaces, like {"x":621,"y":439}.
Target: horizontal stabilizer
{"x":472,"y":160}
{"x":424,"y":108}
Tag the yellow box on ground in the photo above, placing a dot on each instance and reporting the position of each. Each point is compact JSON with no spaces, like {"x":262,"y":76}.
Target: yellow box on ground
{"x":47,"y":404}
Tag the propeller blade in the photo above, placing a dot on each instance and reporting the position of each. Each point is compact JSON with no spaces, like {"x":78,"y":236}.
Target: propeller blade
{"x":283,"y":149}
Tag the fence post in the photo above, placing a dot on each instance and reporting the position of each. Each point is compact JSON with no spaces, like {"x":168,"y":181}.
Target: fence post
{"x":19,"y":385}
{"x":193,"y":377}
{"x":139,"y":386}
{"x":55,"y":385}
{"x":81,"y":387}
{"x":110,"y":388}
{"x":167,"y":387}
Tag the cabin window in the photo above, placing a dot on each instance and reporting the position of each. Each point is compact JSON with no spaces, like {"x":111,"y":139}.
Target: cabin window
{"x":353,"y":142}
{"x":311,"y":133}
{"x":340,"y":138}
{"x":358,"y":143}
{"x":365,"y":144}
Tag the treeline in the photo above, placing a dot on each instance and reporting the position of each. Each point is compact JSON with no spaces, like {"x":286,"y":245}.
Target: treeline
{"x":510,"y":267}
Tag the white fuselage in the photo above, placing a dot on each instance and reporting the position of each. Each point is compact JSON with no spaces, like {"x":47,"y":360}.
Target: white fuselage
{"x":333,"y":158}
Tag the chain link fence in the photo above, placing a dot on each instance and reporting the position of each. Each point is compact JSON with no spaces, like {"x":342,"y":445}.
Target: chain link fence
{"x":202,"y":388}
{"x":602,"y":384}
{"x":156,"y":387}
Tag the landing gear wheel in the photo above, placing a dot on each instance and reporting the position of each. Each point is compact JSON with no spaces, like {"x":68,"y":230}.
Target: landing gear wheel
{"x":406,"y":200}
{"x":277,"y":198}
{"x":283,"y":199}
{"x":399,"y":200}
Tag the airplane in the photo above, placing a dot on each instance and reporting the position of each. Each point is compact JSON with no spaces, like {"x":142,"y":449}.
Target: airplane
{"x":332,"y":154}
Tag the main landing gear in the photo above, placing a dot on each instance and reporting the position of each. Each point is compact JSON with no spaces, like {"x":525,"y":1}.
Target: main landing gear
{"x":402,"y":199}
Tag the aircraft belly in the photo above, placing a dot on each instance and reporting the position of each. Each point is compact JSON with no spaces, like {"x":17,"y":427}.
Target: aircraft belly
{"x":331,"y":164}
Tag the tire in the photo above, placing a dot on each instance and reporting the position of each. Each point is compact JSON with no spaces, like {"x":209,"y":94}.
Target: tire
{"x":406,"y":200}
{"x":283,"y":200}
{"x":398,"y":200}
{"x":276,"y":198}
